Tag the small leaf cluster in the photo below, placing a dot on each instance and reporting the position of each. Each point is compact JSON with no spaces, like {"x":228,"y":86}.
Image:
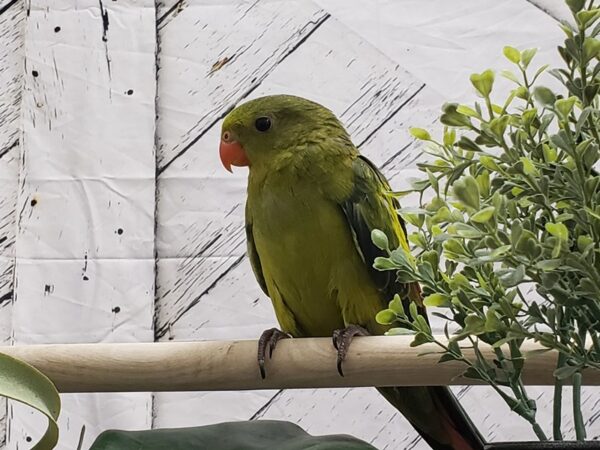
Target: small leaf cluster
{"x":509,"y":205}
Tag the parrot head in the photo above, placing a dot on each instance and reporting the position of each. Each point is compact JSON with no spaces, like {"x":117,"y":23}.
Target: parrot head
{"x":256,"y":132}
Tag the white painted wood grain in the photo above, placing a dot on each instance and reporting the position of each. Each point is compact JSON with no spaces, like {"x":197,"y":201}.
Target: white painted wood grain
{"x":85,"y":242}
{"x":12,"y":15}
{"x":212,"y":54}
{"x":443,"y":42}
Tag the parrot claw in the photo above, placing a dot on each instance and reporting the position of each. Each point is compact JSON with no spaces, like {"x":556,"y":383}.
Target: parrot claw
{"x":341,"y":341}
{"x":268,"y":339}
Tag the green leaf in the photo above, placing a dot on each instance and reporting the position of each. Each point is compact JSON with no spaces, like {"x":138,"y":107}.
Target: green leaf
{"x":512,"y":277}
{"x":483,"y":82}
{"x":437,"y":300}
{"x":527,"y":56}
{"x":548,"y":264}
{"x":558,"y":230}
{"x":550,"y":153}
{"x":512,"y":54}
{"x":397,"y":306}
{"x":386,"y":317}
{"x":467,"y":111}
{"x":416,"y":220}
{"x":414,"y":313}
{"x":474,"y":324}
{"x":417,"y":239}
{"x":467,"y":144}
{"x":544,"y":95}
{"x":449,"y":136}
{"x":420,"y":339}
{"x":492,"y":322}
{"x":529,"y":115}
{"x":465,"y":231}
{"x":488,"y":162}
{"x":510,"y":75}
{"x":575,"y":5}
{"x":466,"y":191}
{"x":24,"y":383}
{"x":247,"y":435}
{"x":498,"y":125}
{"x":565,"y":105}
{"x":586,"y":18}
{"x":420,"y":134}
{"x":451,"y":117}
{"x":484,"y":216}
{"x":528,"y":167}
{"x":399,"y":332}
{"x":565,"y":372}
{"x":446,"y":357}
{"x":382,"y":263}
{"x":380,"y":240}
{"x":583,"y":241}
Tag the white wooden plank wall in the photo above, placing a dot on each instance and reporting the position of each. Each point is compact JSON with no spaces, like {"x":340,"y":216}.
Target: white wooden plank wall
{"x":88,"y":230}
{"x":12,"y":15}
{"x":85,"y":239}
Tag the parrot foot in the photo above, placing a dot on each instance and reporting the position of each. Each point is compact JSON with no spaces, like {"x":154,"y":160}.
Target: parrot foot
{"x":268,"y":339}
{"x":342,"y":339}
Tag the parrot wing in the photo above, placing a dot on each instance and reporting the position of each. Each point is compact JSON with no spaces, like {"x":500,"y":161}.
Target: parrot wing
{"x":253,"y":254}
{"x":372,"y":206}
{"x":433,"y":410}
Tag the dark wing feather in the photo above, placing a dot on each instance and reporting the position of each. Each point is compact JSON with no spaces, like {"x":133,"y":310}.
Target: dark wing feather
{"x":371,"y":206}
{"x":253,"y":256}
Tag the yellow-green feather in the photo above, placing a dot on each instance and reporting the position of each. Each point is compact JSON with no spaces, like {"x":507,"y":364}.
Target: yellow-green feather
{"x":312,"y":203}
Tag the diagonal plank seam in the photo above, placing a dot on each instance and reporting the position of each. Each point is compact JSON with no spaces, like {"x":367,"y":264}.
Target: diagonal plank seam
{"x":7,"y":6}
{"x":316,"y":25}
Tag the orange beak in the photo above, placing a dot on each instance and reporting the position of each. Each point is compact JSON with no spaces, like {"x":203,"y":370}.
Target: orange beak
{"x":232,"y":154}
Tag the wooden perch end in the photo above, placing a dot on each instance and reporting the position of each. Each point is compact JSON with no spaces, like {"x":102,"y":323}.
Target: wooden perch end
{"x":232,"y":365}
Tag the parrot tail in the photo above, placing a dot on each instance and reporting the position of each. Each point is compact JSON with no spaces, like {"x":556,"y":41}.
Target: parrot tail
{"x":437,"y":416}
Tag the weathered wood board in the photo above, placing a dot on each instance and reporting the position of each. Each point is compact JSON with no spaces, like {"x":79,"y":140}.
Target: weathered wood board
{"x":12,"y":22}
{"x":85,"y":238}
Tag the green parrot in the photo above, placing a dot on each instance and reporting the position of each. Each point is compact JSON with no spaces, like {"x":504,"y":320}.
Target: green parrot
{"x":312,"y":203}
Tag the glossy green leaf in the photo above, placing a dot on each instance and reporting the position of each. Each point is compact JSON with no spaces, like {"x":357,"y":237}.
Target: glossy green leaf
{"x":558,"y":230}
{"x":484,"y":216}
{"x":466,"y":191}
{"x":420,"y":134}
{"x":24,"y":383}
{"x":249,"y":435}
{"x":512,"y":54}
{"x":386,"y":317}
{"x":437,"y":300}
{"x":527,"y":56}
{"x":380,"y":239}
{"x":483,"y":82}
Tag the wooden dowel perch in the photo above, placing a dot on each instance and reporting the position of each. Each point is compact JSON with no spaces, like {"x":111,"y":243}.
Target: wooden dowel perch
{"x":231,"y":365}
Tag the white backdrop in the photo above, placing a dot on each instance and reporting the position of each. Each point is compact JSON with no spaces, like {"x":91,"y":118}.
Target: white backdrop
{"x":117,"y":222}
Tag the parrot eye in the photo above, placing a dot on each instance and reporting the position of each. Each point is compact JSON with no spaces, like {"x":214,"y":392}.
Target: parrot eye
{"x":262,"y":124}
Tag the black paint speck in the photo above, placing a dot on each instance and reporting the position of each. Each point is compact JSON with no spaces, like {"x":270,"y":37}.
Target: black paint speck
{"x":35,"y":73}
{"x":104,"y":14}
{"x":56,"y":29}
{"x":130,"y":92}
{"x":33,"y":202}
{"x":85,"y":278}
{"x":120,"y":231}
{"x":48,"y":289}
{"x":116,"y":309}
{"x":28,"y":438}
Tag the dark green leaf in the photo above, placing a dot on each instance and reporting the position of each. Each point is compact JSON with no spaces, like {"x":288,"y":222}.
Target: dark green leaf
{"x":249,"y":435}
